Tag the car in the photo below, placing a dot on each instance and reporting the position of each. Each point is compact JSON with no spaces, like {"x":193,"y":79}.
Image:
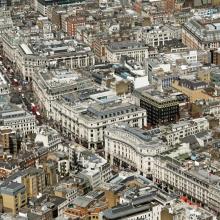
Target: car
{"x":24,"y":82}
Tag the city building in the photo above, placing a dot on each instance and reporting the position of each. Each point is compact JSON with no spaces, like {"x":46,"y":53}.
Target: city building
{"x":66,"y":190}
{"x":50,"y":173}
{"x":100,"y":41}
{"x":216,"y":57}
{"x":170,"y":6}
{"x":88,"y":206}
{"x":109,"y":109}
{"x":43,"y":53}
{"x":193,"y":89}
{"x":51,"y":84}
{"x":154,"y":65}
{"x":161,"y":107}
{"x":200,"y":34}
{"x":139,"y":210}
{"x":73,"y":22}
{"x":6,"y":22}
{"x":48,"y":136}
{"x":8,"y":141}
{"x":96,"y":169}
{"x":34,"y":181}
{"x":7,"y":167}
{"x":157,"y":35}
{"x":183,"y":16}
{"x":14,"y":197}
{"x":132,"y":148}
{"x":16,"y":118}
{"x":86,"y":123}
{"x":143,"y":203}
{"x":4,"y":87}
{"x":136,"y":50}
{"x":27,"y":61}
{"x":173,"y":133}
{"x":211,"y":107}
{"x":4,"y":3}
{"x":10,"y":41}
{"x":183,"y":209}
{"x":63,"y":166}
{"x":188,"y":178}
{"x":47,"y":206}
{"x":133,"y":71}
{"x":42,"y":6}
{"x":112,"y":77}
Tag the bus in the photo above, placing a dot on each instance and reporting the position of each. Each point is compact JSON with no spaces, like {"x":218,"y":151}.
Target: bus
{"x":15,"y":82}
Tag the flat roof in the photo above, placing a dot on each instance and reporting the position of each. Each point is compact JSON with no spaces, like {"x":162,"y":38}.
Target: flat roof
{"x":26,"y":49}
{"x":12,"y":187}
{"x":126,"y":45}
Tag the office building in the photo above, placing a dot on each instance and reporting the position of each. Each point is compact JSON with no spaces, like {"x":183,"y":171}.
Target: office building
{"x":133,"y":148}
{"x":136,"y":50}
{"x":158,"y":35}
{"x":14,"y":197}
{"x":201,"y":35}
{"x":175,"y":132}
{"x":16,"y":118}
{"x":6,"y":22}
{"x":144,"y":203}
{"x":86,"y":123}
{"x":193,"y":89}
{"x":8,"y":140}
{"x":44,"y":5}
{"x":51,"y":84}
{"x":44,"y":53}
{"x":4,"y":87}
{"x":161,"y":107}
{"x":96,"y":169}
{"x":34,"y":181}
{"x":48,"y":136}
{"x":192,"y":181}
{"x":73,"y":22}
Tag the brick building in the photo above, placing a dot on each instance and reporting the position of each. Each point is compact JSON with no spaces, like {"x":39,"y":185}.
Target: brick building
{"x":73,"y":22}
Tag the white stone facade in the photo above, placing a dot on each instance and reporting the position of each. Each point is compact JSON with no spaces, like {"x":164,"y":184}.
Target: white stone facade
{"x":19,"y":120}
{"x":49,"y":85}
{"x":195,"y":183}
{"x":175,"y":132}
{"x":79,"y":122}
{"x":115,"y":51}
{"x":132,"y":147}
{"x":158,"y":35}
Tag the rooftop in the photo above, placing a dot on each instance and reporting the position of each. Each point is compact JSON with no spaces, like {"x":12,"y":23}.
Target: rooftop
{"x":208,"y":32}
{"x":126,"y":45}
{"x":54,"y":48}
{"x":102,"y":111}
{"x":3,"y":82}
{"x":61,"y":80}
{"x":153,"y":93}
{"x":12,"y":188}
{"x":46,"y":130}
{"x":138,"y":203}
{"x":193,"y":85}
